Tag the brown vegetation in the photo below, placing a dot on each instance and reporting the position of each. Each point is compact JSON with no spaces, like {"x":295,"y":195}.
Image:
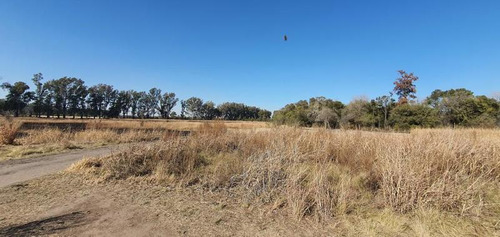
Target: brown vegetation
{"x":8,"y":130}
{"x":171,"y":124}
{"x":324,"y":174}
{"x":35,"y":136}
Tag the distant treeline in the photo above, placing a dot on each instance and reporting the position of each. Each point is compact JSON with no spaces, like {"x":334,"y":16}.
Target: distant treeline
{"x":455,"y":107}
{"x":70,"y":97}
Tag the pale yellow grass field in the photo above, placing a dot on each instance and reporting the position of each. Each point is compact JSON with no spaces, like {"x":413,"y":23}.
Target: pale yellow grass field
{"x":48,"y":138}
{"x":172,"y":124}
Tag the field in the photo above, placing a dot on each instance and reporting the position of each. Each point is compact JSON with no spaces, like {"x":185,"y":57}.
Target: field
{"x":35,"y":137}
{"x":247,"y":178}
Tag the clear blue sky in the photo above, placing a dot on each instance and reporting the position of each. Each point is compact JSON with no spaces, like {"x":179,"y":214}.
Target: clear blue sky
{"x":234,"y":50}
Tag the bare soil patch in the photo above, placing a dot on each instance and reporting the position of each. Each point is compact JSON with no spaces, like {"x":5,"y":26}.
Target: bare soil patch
{"x":65,"y":204}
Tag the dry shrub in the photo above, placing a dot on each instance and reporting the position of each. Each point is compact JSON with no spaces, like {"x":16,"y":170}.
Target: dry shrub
{"x":323,"y":173}
{"x":8,"y":130}
{"x":174,"y":161}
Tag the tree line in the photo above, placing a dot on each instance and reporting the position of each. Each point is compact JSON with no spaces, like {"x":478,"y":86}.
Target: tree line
{"x":70,"y":97}
{"x":455,"y":107}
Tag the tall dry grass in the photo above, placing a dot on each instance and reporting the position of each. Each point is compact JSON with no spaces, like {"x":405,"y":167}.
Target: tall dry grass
{"x":171,"y":124}
{"x":323,"y":174}
{"x":89,"y":136}
{"x":8,"y":130}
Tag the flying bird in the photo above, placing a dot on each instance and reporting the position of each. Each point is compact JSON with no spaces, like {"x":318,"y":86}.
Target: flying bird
{"x":285,"y":37}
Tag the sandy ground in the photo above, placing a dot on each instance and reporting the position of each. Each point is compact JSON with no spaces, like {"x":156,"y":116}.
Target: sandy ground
{"x":64,"y":204}
{"x":19,"y":170}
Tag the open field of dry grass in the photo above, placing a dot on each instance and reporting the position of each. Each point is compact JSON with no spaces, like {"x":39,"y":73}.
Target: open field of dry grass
{"x":285,"y":181}
{"x":28,"y":137}
{"x":428,"y":182}
{"x":171,"y":124}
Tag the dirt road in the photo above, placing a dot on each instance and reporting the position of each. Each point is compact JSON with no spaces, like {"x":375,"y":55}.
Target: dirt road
{"x":19,"y":170}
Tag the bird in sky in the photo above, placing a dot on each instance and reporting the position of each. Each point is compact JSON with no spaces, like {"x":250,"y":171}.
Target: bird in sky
{"x":285,"y":37}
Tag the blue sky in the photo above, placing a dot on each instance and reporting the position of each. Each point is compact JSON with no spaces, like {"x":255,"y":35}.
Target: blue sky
{"x":234,"y":51}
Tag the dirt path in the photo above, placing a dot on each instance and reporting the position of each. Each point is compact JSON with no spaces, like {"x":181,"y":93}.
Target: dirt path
{"x":19,"y":170}
{"x":67,"y":204}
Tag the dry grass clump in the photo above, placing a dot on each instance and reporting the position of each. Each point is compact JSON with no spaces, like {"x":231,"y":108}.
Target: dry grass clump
{"x":323,"y":173}
{"x":8,"y":130}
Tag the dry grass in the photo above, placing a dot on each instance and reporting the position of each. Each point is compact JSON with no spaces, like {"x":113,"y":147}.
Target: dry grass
{"x":8,"y":130}
{"x":329,"y":175}
{"x":171,"y":124}
{"x":35,"y":142}
{"x":35,"y":136}
{"x":106,"y":136}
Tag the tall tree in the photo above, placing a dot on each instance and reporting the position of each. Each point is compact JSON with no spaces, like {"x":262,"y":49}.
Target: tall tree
{"x":95,"y":100}
{"x":167,"y":103}
{"x":454,"y":107}
{"x":209,"y":111}
{"x":404,"y":87}
{"x":384,"y":104}
{"x":143,"y":105}
{"x":63,"y":90}
{"x":183,"y":108}
{"x":110,"y":96}
{"x":77,"y":94}
{"x":153,"y":103}
{"x":194,"y":107}
{"x":125,"y":101}
{"x":39,"y":95}
{"x":17,"y":97}
{"x":135,"y":99}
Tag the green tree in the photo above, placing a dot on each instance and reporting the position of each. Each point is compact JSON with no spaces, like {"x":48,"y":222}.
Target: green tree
{"x":125,"y":102}
{"x":357,"y":114}
{"x":383,"y":105}
{"x":39,"y":95}
{"x":194,"y":107}
{"x":17,"y":97}
{"x":66,"y":92}
{"x":153,"y":102}
{"x":325,"y":111}
{"x":167,"y":103}
{"x":456,"y":107}
{"x":209,"y":111}
{"x":293,"y":114}
{"x":76,"y":97}
{"x":407,"y":116}
{"x":135,"y":98}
